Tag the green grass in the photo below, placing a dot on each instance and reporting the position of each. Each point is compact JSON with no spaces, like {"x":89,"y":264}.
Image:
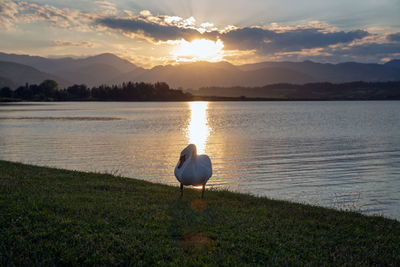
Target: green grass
{"x":59,"y":217}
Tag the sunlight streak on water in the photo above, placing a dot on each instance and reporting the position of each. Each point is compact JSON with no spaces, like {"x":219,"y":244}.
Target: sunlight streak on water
{"x":198,"y":130}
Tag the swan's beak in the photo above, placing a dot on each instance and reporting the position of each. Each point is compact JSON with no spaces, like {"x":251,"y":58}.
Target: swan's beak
{"x":181,"y":161}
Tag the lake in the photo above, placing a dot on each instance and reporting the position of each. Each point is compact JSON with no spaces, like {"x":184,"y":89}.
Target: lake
{"x":343,"y":155}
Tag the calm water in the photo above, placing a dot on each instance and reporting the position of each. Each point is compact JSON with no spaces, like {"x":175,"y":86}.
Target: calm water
{"x":344,"y":155}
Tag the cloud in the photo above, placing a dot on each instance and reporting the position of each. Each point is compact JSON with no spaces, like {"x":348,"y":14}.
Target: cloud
{"x":15,"y":12}
{"x":149,"y":30}
{"x":314,"y":40}
{"x":64,"y":18}
{"x":8,"y":12}
{"x":262,"y":40}
{"x":368,"y":49}
{"x":107,"y":7}
{"x":62,"y":44}
{"x":267,"y":41}
{"x":160,"y":28}
{"x":362,"y":52}
{"x":394,"y":37}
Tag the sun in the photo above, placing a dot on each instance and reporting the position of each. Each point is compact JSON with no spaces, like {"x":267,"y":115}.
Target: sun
{"x":198,"y":50}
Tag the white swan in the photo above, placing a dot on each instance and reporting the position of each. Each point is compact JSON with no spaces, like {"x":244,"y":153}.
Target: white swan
{"x":193,"y":169}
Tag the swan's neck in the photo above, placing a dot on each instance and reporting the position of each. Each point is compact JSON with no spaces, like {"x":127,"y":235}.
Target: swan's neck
{"x":194,"y":153}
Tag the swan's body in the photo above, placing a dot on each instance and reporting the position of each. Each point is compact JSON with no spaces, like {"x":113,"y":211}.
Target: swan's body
{"x":193,"y":169}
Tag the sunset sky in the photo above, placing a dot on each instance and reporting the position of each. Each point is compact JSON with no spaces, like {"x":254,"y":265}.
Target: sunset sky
{"x":151,"y":32}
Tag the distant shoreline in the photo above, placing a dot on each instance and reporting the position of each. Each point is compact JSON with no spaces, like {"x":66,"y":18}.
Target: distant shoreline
{"x":209,"y":99}
{"x":139,"y":92}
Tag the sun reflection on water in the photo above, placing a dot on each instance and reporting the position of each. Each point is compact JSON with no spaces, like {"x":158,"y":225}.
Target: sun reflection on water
{"x":198,"y":130}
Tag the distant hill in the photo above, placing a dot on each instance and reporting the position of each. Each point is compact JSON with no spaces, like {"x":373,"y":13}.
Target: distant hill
{"x":14,"y":74}
{"x":206,"y":74}
{"x":393,"y":64}
{"x":4,"y":82}
{"x":111,"y":69}
{"x":336,"y":73}
{"x":199,"y":74}
{"x":91,"y":71}
{"x":90,"y":74}
{"x":310,"y":91}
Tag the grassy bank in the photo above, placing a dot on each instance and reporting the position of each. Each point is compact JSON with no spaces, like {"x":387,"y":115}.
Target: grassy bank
{"x":52,"y":216}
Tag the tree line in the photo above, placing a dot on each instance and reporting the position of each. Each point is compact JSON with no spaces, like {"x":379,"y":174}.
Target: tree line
{"x":131,"y":91}
{"x":139,"y":91}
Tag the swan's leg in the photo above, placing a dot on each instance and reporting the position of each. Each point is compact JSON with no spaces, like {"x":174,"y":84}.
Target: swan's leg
{"x":181,"y":189}
{"x":202,"y":191}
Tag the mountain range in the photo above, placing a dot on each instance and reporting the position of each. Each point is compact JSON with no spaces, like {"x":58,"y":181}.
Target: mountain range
{"x":16,"y":70}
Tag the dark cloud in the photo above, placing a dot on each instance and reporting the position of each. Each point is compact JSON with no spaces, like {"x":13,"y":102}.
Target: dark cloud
{"x":154,"y":31}
{"x":366,"y":52}
{"x":368,"y":49}
{"x":268,"y":41}
{"x":264,"y":41}
{"x":303,"y":42}
{"x":247,"y":38}
{"x":394,"y":37}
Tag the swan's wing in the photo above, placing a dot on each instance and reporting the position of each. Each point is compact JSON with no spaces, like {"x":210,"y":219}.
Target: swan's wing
{"x":178,"y":172}
{"x":204,"y":166}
